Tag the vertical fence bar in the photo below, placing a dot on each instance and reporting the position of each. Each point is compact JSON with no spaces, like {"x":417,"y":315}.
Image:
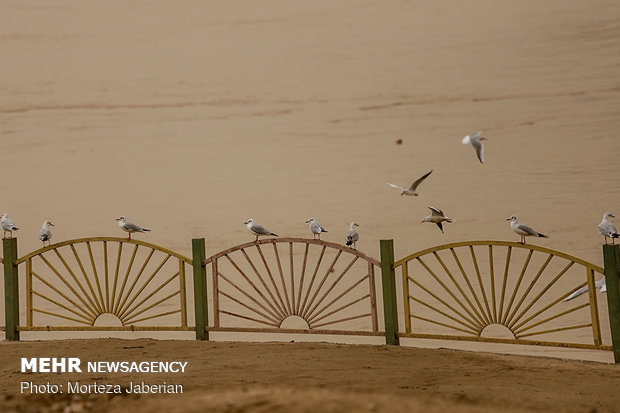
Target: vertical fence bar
{"x":406,"y":305}
{"x":11,"y":288}
{"x":611,"y":258}
{"x":29,"y":292}
{"x":388,"y":278}
{"x":200,"y":288}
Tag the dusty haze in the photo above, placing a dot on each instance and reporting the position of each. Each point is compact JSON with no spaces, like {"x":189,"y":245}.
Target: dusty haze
{"x":190,"y":117}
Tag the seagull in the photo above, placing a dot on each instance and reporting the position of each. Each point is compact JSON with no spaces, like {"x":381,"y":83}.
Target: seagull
{"x":607,"y":228}
{"x":411,"y":190}
{"x":257,"y":229}
{"x":437,"y":217}
{"x":315,"y":228}
{"x":598,"y":284}
{"x":8,"y":225}
{"x":129,"y":227}
{"x":352,"y":236}
{"x":475,"y":140}
{"x":523,"y":230}
{"x":45,"y":234}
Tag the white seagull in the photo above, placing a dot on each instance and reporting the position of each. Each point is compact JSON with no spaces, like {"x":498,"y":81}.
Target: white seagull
{"x":45,"y":234}
{"x":411,"y":190}
{"x":598,"y":284}
{"x":607,"y":228}
{"x":352,"y":236}
{"x":129,"y":227}
{"x":437,"y":217}
{"x":7,"y":225}
{"x":257,"y":229}
{"x":475,"y":140}
{"x":315,"y":228}
{"x":523,"y":230}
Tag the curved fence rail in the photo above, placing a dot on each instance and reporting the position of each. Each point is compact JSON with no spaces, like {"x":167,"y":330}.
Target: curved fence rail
{"x":504,"y":292}
{"x":294,"y":285}
{"x":105,"y":283}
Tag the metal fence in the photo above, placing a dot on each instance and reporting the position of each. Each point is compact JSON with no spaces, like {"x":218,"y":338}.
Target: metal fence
{"x":490,"y":291}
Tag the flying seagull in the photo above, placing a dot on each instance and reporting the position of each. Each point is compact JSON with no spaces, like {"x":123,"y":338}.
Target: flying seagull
{"x":475,"y":140}
{"x":411,"y":190}
{"x":523,"y":230}
{"x":437,"y":217}
{"x":352,"y":236}
{"x":45,"y":234}
{"x":7,"y":225}
{"x":129,"y":227}
{"x":607,"y":228}
{"x":598,"y":284}
{"x":315,"y":228}
{"x":257,"y":229}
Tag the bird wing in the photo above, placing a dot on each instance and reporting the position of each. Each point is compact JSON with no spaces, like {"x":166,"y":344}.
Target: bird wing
{"x":259,"y":229}
{"x":527,"y":230}
{"x":436,"y":212}
{"x":479,"y":149}
{"x":130,"y":226}
{"x":397,"y":187}
{"x":598,"y":284}
{"x":607,"y":228}
{"x":419,"y":180}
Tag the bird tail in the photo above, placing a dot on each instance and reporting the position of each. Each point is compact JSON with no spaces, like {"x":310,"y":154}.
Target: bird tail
{"x":615,"y":235}
{"x":146,"y":230}
{"x":349,"y":242}
{"x":542,"y":235}
{"x":275,"y":235}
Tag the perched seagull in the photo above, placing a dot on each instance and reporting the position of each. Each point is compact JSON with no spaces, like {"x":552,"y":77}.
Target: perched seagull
{"x":437,"y":217}
{"x":352,"y":235}
{"x":8,"y":225}
{"x":129,"y":227}
{"x":45,"y":234}
{"x":257,"y":229}
{"x":411,"y":190}
{"x":598,"y":284}
{"x":475,"y":140}
{"x":607,"y":228}
{"x":315,"y":228}
{"x":523,"y":230}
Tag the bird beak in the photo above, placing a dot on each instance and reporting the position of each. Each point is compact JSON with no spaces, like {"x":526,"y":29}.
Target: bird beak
{"x":307,"y":221}
{"x":246,"y":222}
{"x":117,"y":219}
{"x":507,"y":219}
{"x":52,"y":224}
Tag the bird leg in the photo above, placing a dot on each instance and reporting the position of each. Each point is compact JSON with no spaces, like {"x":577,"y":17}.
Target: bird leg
{"x":256,"y":240}
{"x":129,"y":238}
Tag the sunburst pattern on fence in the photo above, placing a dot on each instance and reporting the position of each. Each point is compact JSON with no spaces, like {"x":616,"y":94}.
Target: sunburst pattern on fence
{"x":105,"y":283}
{"x":502,"y":292}
{"x":294,"y":284}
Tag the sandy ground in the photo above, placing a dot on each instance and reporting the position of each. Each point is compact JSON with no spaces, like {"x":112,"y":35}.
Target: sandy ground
{"x":307,"y":377}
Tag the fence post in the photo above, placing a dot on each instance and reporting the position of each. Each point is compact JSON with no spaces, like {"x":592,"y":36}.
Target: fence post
{"x":388,"y":284}
{"x":11,"y":288}
{"x":200,"y":288}
{"x":611,"y":259}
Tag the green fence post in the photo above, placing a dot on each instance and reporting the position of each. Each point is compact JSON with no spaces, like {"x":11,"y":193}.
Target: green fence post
{"x":200,"y":288}
{"x":611,"y":259}
{"x":388,"y":284}
{"x":11,"y":288}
